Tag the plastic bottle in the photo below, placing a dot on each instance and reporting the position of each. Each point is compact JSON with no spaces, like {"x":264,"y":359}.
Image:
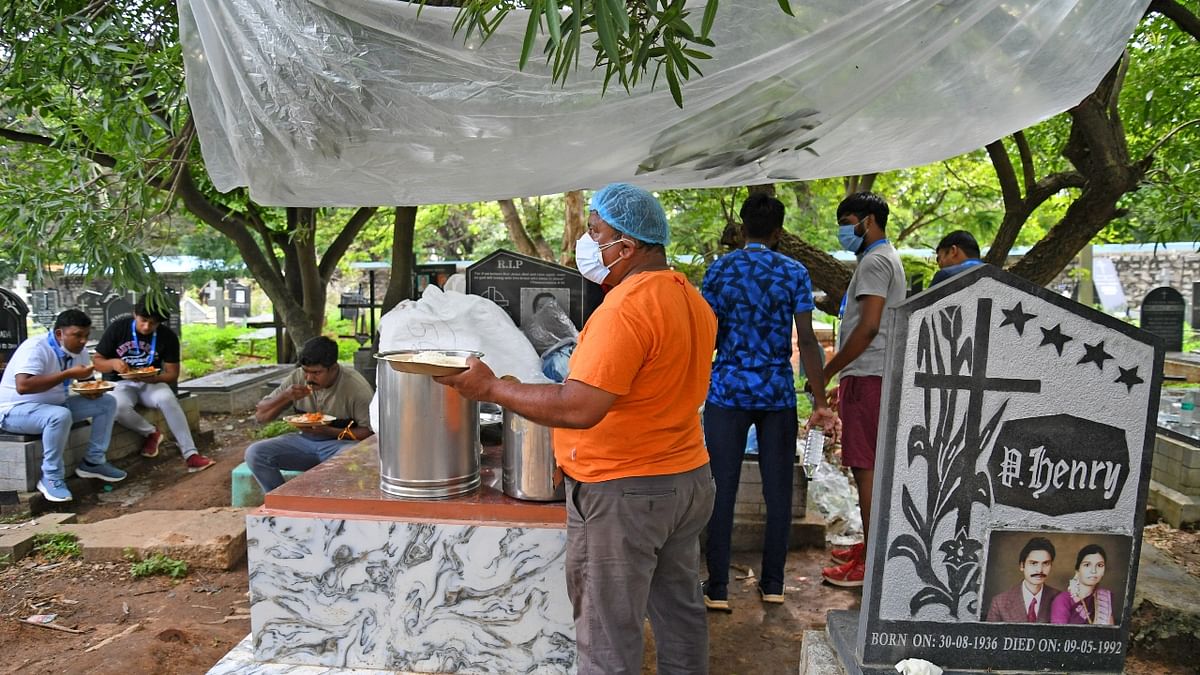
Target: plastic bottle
{"x":1187,"y":411}
{"x":814,"y":451}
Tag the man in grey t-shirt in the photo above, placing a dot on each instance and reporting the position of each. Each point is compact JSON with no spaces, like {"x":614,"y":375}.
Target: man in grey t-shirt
{"x":878,"y":283}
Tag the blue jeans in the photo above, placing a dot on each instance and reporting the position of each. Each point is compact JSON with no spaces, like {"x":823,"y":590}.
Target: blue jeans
{"x":53,"y":422}
{"x":291,"y":452}
{"x":725,"y":435}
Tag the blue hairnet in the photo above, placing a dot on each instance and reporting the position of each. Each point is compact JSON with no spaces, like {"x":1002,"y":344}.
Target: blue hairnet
{"x":632,"y":211}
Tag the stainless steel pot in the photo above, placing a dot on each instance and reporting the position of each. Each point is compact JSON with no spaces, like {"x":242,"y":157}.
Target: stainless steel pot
{"x":428,"y":434}
{"x":528,"y":461}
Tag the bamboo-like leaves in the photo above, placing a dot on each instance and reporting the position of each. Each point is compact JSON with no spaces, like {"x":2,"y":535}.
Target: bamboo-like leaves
{"x":631,"y":38}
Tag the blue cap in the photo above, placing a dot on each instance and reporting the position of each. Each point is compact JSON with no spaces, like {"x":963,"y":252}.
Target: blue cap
{"x":632,"y":211}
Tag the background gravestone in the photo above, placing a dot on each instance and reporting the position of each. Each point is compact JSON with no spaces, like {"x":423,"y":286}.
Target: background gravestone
{"x":238,"y":299}
{"x":13,"y":328}
{"x":430,"y":274}
{"x":1009,"y":413}
{"x":1108,"y":284}
{"x":115,"y":307}
{"x":514,"y":281}
{"x":44,"y":307}
{"x":1162,"y":314}
{"x":92,"y":304}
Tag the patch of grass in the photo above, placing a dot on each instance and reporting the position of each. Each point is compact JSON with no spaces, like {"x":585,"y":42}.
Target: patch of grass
{"x":158,"y":564}
{"x":274,"y":428}
{"x":18,"y":517}
{"x":57,"y":545}
{"x":5,"y":561}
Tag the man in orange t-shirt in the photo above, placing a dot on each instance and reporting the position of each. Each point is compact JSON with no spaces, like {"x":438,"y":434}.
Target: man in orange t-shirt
{"x":628,"y":438}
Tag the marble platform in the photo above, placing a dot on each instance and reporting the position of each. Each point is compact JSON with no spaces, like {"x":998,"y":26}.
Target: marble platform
{"x":346,"y":578}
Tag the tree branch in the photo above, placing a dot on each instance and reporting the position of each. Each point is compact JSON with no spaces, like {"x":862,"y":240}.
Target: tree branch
{"x":1026,"y":160}
{"x":1010,"y":190}
{"x":1187,"y":21}
{"x":105,"y":160}
{"x":345,"y":238}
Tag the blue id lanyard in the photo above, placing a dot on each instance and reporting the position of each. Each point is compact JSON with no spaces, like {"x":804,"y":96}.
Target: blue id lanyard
{"x":64,"y":358}
{"x":138,"y":345}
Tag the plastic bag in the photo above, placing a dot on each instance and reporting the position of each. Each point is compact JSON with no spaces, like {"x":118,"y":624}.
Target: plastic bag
{"x":450,"y":320}
{"x":549,"y":324}
{"x":361,"y":102}
{"x":832,"y":493}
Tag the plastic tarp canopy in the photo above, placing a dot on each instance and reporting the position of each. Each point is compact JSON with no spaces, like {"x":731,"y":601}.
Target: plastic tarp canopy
{"x":365,"y":102}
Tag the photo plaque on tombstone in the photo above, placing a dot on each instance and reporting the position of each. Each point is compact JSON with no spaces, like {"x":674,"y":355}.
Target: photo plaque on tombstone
{"x":1016,"y":436}
{"x":515,"y":282}
{"x":430,"y":274}
{"x":13,"y":329}
{"x":1162,"y":314}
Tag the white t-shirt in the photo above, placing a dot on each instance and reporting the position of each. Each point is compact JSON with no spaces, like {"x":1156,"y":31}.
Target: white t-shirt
{"x":35,"y":356}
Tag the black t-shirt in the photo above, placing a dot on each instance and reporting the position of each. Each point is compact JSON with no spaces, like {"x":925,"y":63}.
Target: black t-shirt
{"x":118,"y":342}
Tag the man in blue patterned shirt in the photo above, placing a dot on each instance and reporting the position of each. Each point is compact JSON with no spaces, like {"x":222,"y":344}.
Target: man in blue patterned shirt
{"x":757,"y":294}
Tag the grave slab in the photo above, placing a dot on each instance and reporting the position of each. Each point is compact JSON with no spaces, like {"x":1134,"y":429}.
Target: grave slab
{"x":16,"y":539}
{"x":1017,"y":428}
{"x":234,"y":390}
{"x":213,"y":538}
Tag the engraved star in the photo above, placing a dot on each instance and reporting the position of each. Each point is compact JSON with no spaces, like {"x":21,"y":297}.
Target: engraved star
{"x":1129,"y":377}
{"x":1016,"y":317}
{"x":1095,"y":354}
{"x":1054,"y":336}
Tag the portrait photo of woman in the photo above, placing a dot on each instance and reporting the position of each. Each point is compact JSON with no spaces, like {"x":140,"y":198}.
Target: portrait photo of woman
{"x":1084,"y":601}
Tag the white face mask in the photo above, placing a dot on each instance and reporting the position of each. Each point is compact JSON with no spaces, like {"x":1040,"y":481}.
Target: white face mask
{"x":588,"y":259}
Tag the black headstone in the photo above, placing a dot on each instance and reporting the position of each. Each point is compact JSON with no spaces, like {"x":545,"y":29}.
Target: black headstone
{"x":351,"y":304}
{"x":176,"y":319}
{"x":115,"y":307}
{"x":13,"y":328}
{"x":430,"y":274}
{"x":514,"y":282}
{"x":1162,"y":314}
{"x":1010,"y":415}
{"x":44,"y":306}
{"x":92,"y":304}
{"x":237,"y":299}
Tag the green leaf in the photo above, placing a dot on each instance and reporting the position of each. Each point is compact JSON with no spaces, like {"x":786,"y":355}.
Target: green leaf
{"x":787,"y":8}
{"x":531,"y":31}
{"x":553,"y":21}
{"x":673,"y":84}
{"x":710,"y":15}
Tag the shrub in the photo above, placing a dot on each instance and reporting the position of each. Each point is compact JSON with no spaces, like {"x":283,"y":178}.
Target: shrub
{"x":273,"y":429}
{"x":159,"y":564}
{"x":57,"y":545}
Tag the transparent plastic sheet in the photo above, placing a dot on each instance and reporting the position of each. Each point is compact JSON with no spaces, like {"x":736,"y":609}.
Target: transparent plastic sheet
{"x":362,"y":102}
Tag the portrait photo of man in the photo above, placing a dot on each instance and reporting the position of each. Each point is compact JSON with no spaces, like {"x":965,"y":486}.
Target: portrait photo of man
{"x":1028,"y":601}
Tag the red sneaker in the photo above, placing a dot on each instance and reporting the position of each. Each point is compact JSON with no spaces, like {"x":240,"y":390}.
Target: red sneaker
{"x":844,"y":555}
{"x":198,"y":462}
{"x":150,"y":445}
{"x":847,"y":575}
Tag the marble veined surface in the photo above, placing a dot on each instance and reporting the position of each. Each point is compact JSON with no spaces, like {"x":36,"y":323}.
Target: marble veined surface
{"x":409,"y":596}
{"x":240,"y":661}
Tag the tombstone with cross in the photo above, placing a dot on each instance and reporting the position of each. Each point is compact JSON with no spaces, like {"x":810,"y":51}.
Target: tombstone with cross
{"x":1017,"y":426}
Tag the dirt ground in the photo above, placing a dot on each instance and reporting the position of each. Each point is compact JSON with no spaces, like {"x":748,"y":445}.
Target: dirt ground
{"x":160,"y":626}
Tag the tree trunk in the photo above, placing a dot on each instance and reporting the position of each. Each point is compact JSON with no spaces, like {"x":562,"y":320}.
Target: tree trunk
{"x":574,"y":225}
{"x":400,"y":283}
{"x":516,"y":229}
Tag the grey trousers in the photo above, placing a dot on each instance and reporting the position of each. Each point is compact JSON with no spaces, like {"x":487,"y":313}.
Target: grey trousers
{"x":633,"y":550}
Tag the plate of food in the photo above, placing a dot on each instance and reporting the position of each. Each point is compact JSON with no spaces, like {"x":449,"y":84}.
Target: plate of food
{"x":92,"y":386}
{"x":139,"y":373}
{"x":306,"y":420}
{"x":428,"y":361}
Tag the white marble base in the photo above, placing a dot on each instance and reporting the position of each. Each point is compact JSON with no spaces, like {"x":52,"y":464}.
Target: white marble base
{"x":240,"y":661}
{"x":409,"y":597}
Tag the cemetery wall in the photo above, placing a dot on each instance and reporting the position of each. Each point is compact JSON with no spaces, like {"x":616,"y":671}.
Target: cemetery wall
{"x":1142,"y":272}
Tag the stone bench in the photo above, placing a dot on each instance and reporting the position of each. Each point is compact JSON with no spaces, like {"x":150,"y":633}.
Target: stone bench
{"x":21,"y":454}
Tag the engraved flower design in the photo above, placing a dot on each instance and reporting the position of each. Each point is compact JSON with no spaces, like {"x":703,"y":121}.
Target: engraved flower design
{"x":960,"y":551}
